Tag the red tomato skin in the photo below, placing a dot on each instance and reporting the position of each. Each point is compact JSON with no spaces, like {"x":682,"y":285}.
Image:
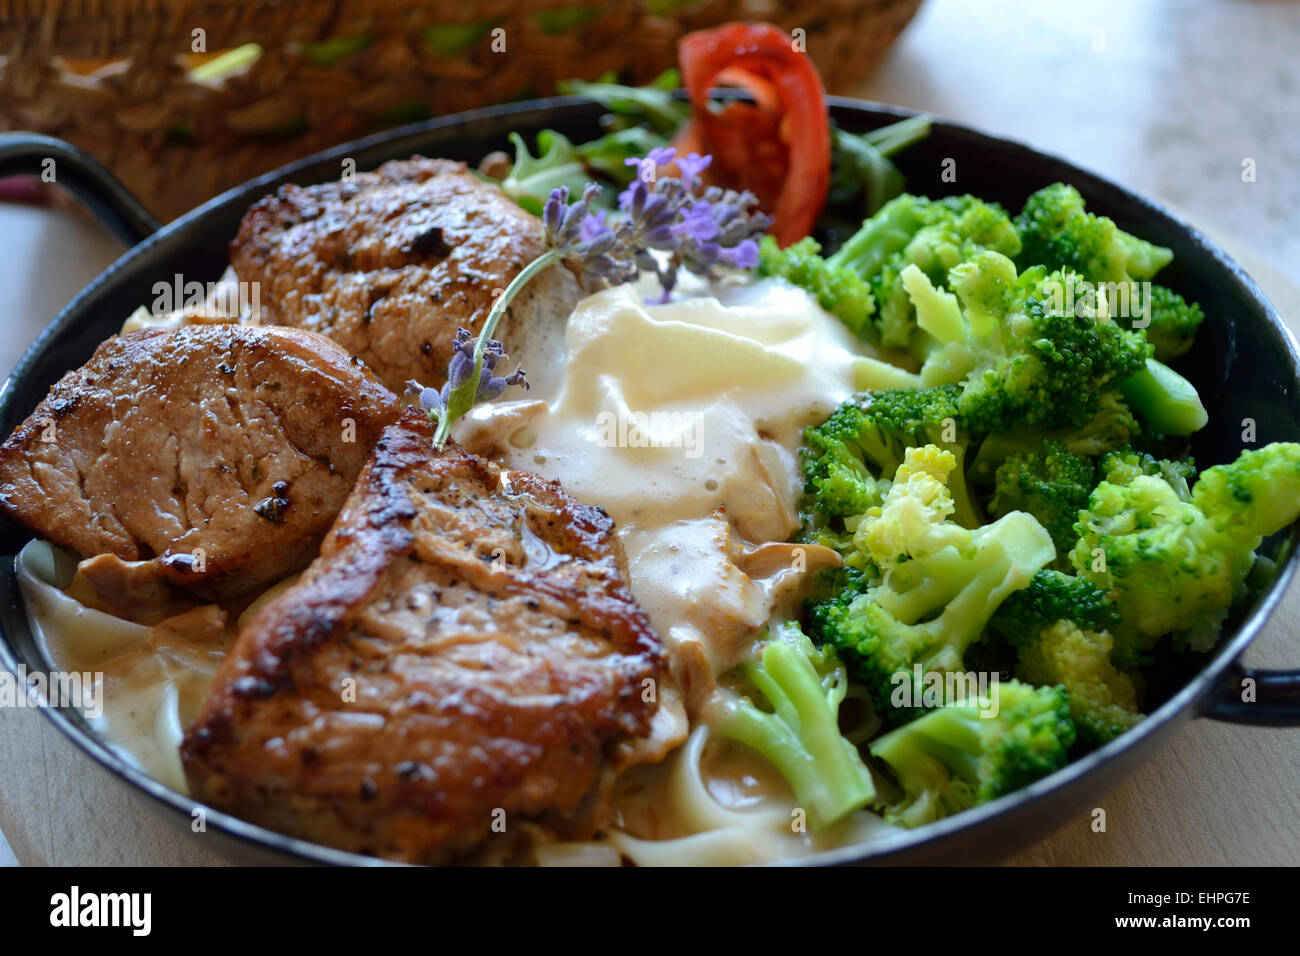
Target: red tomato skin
{"x":780,"y":154}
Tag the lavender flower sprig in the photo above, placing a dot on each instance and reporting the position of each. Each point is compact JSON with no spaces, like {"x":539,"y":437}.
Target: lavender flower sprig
{"x":667,"y":224}
{"x":698,"y":229}
{"x":459,"y":370}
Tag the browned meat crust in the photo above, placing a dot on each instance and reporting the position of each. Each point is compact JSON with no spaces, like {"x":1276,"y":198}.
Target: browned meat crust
{"x":464,"y":652}
{"x":223,"y":452}
{"x":389,"y":264}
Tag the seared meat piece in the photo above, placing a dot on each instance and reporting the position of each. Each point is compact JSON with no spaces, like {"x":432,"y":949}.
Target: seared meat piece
{"x":466,"y":646}
{"x":389,"y":264}
{"x":222,"y":452}
{"x":131,"y":590}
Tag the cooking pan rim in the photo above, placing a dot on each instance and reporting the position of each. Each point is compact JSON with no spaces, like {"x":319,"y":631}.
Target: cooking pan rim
{"x":1185,"y":704}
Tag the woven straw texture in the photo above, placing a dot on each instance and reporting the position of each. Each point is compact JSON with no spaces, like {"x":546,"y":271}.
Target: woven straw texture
{"x":170,"y":96}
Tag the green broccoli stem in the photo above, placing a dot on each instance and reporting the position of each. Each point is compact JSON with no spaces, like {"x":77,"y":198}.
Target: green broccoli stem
{"x":1007,"y":555}
{"x":873,"y":374}
{"x":1142,"y":259}
{"x":950,"y":734}
{"x":801,"y":737}
{"x":937,"y":311}
{"x":886,"y":232}
{"x":965,"y":512}
{"x":896,"y":137}
{"x":1164,"y":400}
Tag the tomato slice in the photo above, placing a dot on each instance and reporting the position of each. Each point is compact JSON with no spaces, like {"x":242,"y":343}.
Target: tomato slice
{"x":779,"y":146}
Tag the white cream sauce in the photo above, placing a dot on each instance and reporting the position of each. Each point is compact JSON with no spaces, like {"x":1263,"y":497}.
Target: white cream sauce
{"x":682,"y":421}
{"x":150,"y":682}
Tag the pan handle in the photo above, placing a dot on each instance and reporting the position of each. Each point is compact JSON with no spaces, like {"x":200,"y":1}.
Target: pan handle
{"x":30,"y":154}
{"x":1276,"y":698}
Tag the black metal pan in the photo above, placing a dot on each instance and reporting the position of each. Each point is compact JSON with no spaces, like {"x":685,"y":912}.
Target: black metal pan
{"x":1245,"y":365}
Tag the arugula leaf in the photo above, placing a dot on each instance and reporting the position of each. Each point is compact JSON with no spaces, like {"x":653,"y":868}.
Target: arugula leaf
{"x":606,"y":155}
{"x":653,"y":103}
{"x":532,"y":177}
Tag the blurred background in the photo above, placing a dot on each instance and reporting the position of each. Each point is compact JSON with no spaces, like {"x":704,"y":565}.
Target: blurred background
{"x":1173,"y":98}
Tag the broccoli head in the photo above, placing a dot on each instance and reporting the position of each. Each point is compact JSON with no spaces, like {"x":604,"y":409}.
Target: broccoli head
{"x":1122,"y":465}
{"x":865,"y":440}
{"x":932,"y":234}
{"x":955,"y":757}
{"x":1056,"y":366}
{"x":1057,"y":232}
{"x":1171,"y":322}
{"x":1051,"y":483}
{"x":935,"y":584}
{"x":1050,"y":597}
{"x":1254,"y":496}
{"x":1027,"y":351}
{"x":803,"y":686}
{"x":1113,"y":428}
{"x":1103,"y":700}
{"x":1176,"y":565}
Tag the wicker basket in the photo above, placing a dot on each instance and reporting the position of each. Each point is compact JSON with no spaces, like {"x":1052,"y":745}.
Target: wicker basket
{"x":172,"y":97}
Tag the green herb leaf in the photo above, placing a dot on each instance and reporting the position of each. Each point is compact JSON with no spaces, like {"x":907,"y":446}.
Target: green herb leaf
{"x":532,"y":177}
{"x":863,"y":178}
{"x":652,"y":104}
{"x":607,"y":155}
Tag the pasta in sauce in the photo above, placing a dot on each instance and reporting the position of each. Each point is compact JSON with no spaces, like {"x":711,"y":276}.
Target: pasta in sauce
{"x":682,"y":420}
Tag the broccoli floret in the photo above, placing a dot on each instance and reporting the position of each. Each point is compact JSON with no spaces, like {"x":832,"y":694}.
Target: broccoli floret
{"x":954,"y":758}
{"x":840,"y":291}
{"x":1023,"y":356}
{"x":1057,"y":232}
{"x":932,"y":234}
{"x":864,"y":442}
{"x":1254,"y":496}
{"x":1122,"y":466}
{"x":1049,"y":482}
{"x":800,"y":735}
{"x":1111,"y":429}
{"x":1103,"y":700}
{"x":1051,"y":596}
{"x":912,"y":520}
{"x":1176,"y":565}
{"x":936,"y":586}
{"x":1171,"y":322}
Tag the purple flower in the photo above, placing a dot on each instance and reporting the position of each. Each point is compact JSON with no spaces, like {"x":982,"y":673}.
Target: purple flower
{"x":743,"y":255}
{"x":697,"y":222}
{"x":593,"y":226}
{"x":459,"y":371}
{"x":565,"y":223}
{"x":647,"y":166}
{"x":664,"y":225}
{"x":692,"y":165}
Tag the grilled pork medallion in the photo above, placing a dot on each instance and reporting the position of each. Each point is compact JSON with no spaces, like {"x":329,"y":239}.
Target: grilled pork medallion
{"x":222,"y":453}
{"x":390,"y":263}
{"x":464,"y":652}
